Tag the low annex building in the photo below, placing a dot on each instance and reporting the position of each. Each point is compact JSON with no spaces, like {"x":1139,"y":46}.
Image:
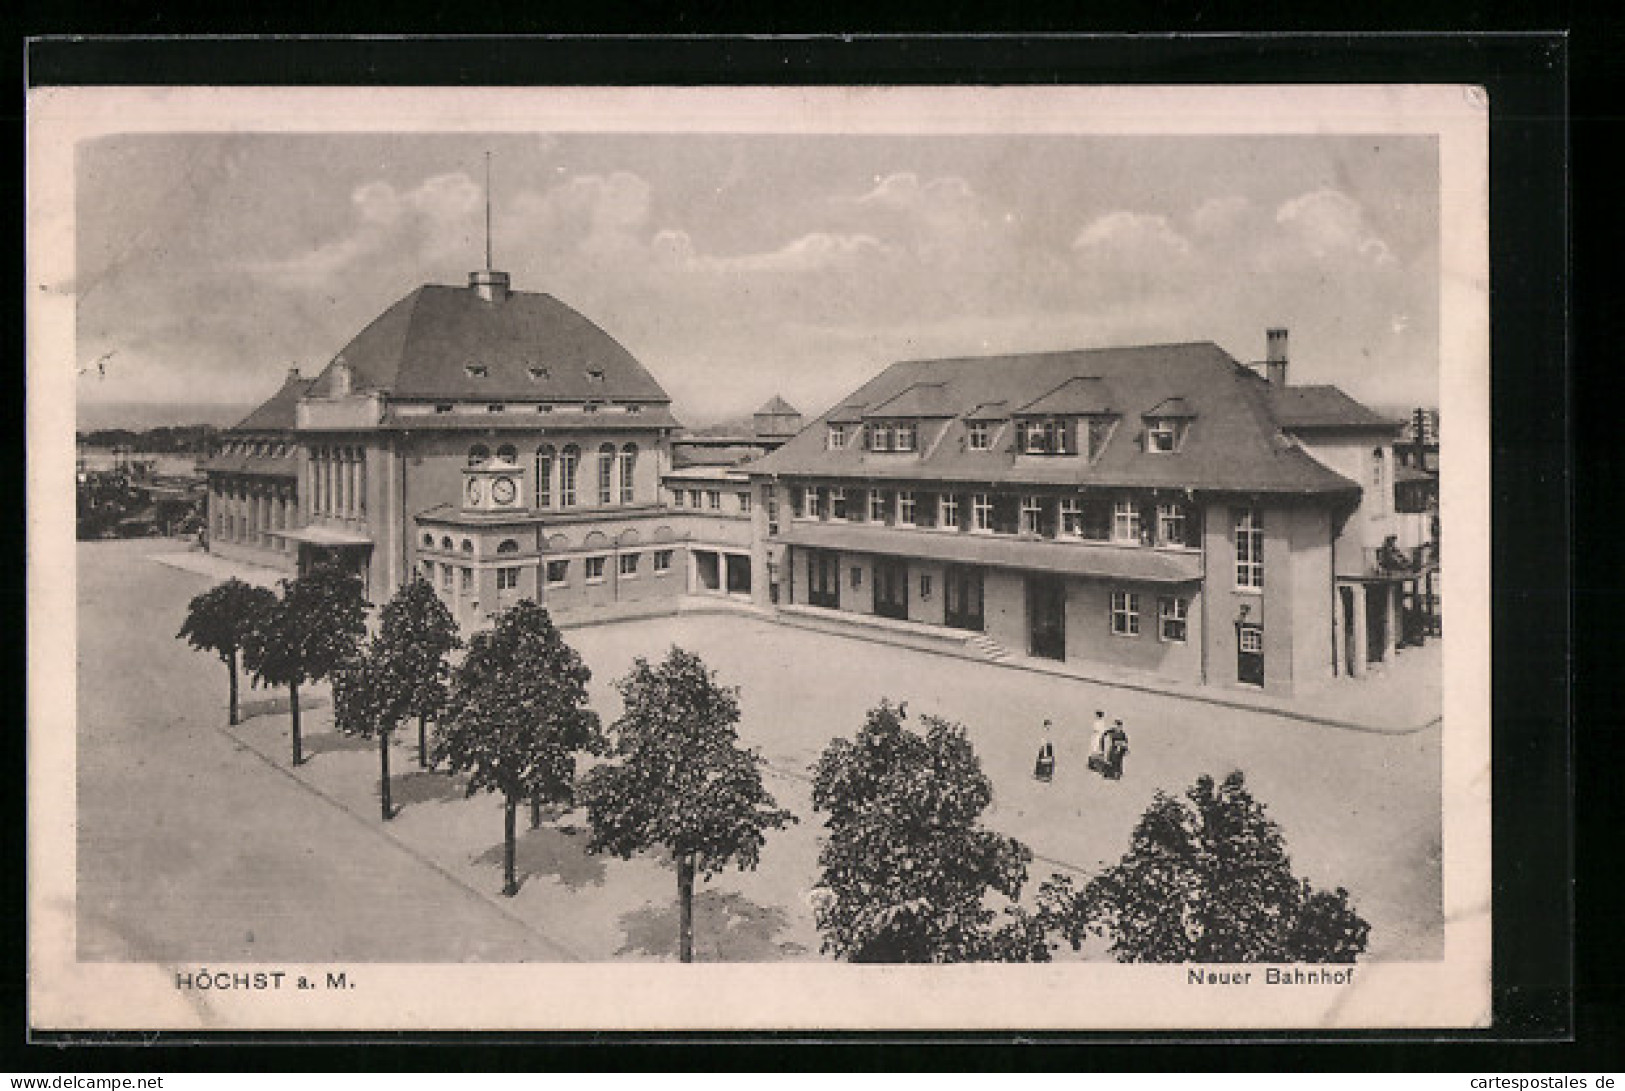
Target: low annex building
{"x":1163,"y":509}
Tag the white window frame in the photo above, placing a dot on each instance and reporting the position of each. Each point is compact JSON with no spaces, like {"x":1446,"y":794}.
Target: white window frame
{"x":677,"y":498}
{"x":694,"y":499}
{"x":625,"y":570}
{"x":948,"y":511}
{"x":1032,"y":514}
{"x":878,"y":505}
{"x":837,"y":503}
{"x":713,"y":499}
{"x":744,"y":502}
{"x":905,"y":507}
{"x":836,"y":438}
{"x":547,"y":573}
{"x":466,"y":580}
{"x":1125,"y":613}
{"x":1172,"y":515}
{"x":1071,"y":509}
{"x":1160,"y":430}
{"x":981,"y":510}
{"x":1251,"y":640}
{"x":1173,"y":610}
{"x":904,"y":429}
{"x":662,"y":562}
{"x":1249,"y":536}
{"x":1126,"y":520}
{"x":587,"y":568}
{"x":507,"y":579}
{"x":978,"y":435}
{"x":880,"y":436}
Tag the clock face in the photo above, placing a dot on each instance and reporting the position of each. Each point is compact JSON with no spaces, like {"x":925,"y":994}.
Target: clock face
{"x":503,"y":490}
{"x":474,"y":490}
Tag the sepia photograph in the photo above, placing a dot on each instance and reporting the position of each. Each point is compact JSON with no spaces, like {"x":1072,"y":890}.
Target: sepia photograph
{"x":758,"y":558}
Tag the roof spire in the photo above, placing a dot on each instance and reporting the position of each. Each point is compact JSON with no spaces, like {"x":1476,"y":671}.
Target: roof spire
{"x":490,"y":285}
{"x":488,"y":210}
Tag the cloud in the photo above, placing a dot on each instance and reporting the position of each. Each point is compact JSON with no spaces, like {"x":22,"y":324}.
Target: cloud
{"x":1219,"y":215}
{"x":1132,"y":232}
{"x":812,"y":252}
{"x":1329,"y":223}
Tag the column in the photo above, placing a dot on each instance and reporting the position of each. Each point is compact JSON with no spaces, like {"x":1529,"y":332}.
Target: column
{"x":1390,"y":636}
{"x":1359,"y":640}
{"x":1339,"y":651}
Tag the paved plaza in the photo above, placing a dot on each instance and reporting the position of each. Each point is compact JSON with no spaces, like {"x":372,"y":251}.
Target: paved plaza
{"x":197,"y":842}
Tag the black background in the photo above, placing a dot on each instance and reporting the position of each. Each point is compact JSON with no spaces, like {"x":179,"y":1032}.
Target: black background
{"x":1554,"y":1013}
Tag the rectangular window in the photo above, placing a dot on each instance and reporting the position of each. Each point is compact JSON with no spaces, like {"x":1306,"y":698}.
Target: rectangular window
{"x":857,"y":577}
{"x":948,"y":510}
{"x":905,"y":437}
{"x":772,"y":511}
{"x":468,"y":580}
{"x":879,"y":502}
{"x":544,"y":481}
{"x":595,"y":570}
{"x":629,"y":565}
{"x":981,"y":506}
{"x":1171,"y":524}
{"x":606,"y":478}
{"x":694,"y":499}
{"x":744,"y":502}
{"x":976,"y":432}
{"x":1032,"y":515}
{"x":662,"y":561}
{"x":925,"y":510}
{"x":626,"y":464}
{"x":568,"y":462}
{"x":798,"y":501}
{"x":677,"y":497}
{"x":1171,"y":619}
{"x":1249,"y":549}
{"x":713,"y":499}
{"x":428,"y":571}
{"x":1125,"y":613}
{"x":837,"y":437}
{"x":879,"y":437}
{"x":445,"y":577}
{"x":925,"y":585}
{"x":507,"y":579}
{"x":1162,"y":436}
{"x":1125,"y":521}
{"x":558,"y":573}
{"x":905,"y":508}
{"x":837,"y":503}
{"x":1072,"y":517}
{"x":1252,"y":639}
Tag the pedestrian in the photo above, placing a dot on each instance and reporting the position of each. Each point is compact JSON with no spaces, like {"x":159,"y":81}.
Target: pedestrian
{"x":1044,"y":768}
{"x":1116,"y":750}
{"x":1097,"y":744}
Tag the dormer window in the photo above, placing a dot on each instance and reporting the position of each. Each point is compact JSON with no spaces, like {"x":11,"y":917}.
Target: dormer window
{"x":536,"y":373}
{"x":444,"y":407}
{"x":1100,"y":430}
{"x":544,"y":408}
{"x":633,"y":408}
{"x":496,"y":407}
{"x":476,"y":371}
{"x":589,"y":407}
{"x":977,"y":433}
{"x":837,"y":437}
{"x":1162,"y":435}
{"x":880,"y":436}
{"x":1044,"y":437}
{"x":595,"y":374}
{"x":904,"y":435}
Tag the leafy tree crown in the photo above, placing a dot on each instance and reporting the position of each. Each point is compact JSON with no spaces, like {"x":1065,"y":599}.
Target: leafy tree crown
{"x":416,"y":635}
{"x":312,"y":630}
{"x":220,"y":619}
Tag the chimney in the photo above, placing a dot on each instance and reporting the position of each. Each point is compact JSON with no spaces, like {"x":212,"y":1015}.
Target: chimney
{"x":343,"y":380}
{"x":1275,"y":356}
{"x":491,"y":285}
{"x":293,"y":375}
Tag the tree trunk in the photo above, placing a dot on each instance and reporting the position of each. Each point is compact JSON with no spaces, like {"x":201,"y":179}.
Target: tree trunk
{"x":423,"y":742}
{"x":685,"y":907}
{"x":383,"y":774}
{"x":510,"y":805}
{"x":536,"y":811}
{"x":231,"y":668}
{"x":293,"y":711}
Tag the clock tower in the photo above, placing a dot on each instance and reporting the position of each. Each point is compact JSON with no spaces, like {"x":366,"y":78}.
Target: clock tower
{"x":494,"y":486}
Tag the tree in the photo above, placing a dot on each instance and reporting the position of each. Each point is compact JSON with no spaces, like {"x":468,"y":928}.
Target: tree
{"x":517,"y":716}
{"x":1206,"y":879}
{"x":417,"y":634}
{"x":220,"y":620}
{"x":680,"y":780}
{"x":369,"y":701}
{"x":312,"y":630}
{"x":907,"y":867}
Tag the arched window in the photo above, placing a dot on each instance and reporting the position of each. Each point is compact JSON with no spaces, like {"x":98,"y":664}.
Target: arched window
{"x":508,"y":545}
{"x":468,"y":546}
{"x":569,"y":459}
{"x":428,"y":541}
{"x":508,"y":453}
{"x":544,"y":477}
{"x":478,"y":454}
{"x":606,"y":474}
{"x":445,"y":543}
{"x":629,"y":458}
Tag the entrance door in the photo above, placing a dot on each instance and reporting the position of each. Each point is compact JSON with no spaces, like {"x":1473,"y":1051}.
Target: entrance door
{"x":891,"y":588}
{"x":823,"y":578}
{"x":1376,"y":621}
{"x":1046,"y":616}
{"x":1249,"y":653}
{"x":963,"y":607}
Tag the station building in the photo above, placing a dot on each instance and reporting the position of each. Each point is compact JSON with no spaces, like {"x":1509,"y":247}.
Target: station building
{"x":1164,"y":509}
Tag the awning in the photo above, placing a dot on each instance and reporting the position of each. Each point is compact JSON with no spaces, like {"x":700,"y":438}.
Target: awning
{"x":1129,"y":563}
{"x":324,"y":536}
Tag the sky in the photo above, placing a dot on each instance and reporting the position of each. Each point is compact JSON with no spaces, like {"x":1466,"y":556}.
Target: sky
{"x":736,"y":267}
